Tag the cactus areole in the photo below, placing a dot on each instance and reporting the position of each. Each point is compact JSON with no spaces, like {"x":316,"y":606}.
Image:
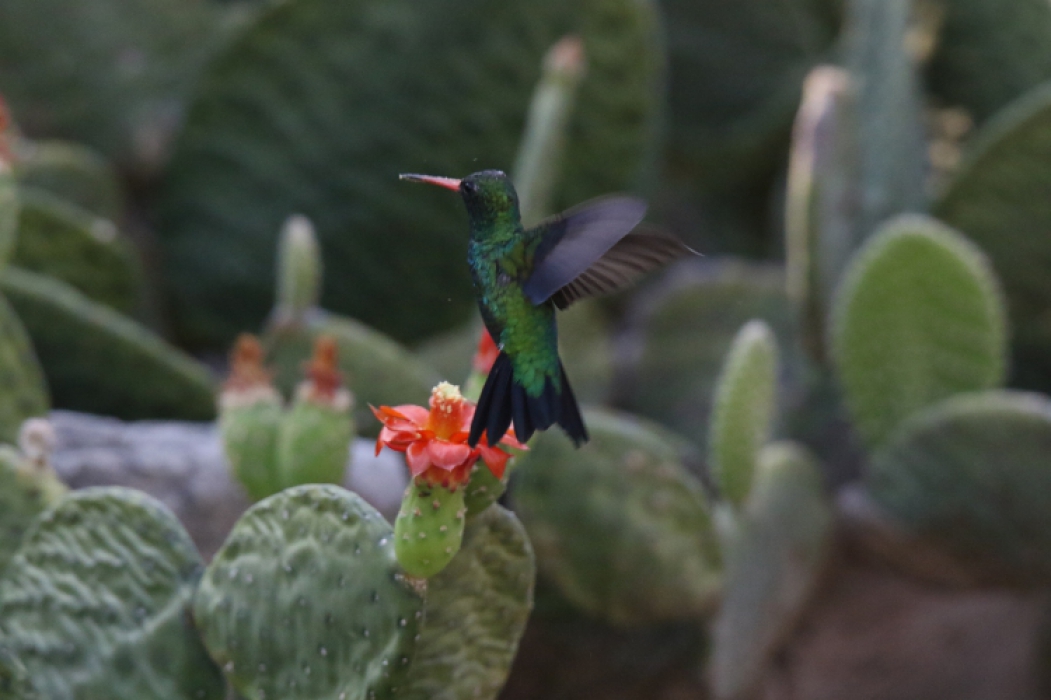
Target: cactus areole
{"x":435,"y":441}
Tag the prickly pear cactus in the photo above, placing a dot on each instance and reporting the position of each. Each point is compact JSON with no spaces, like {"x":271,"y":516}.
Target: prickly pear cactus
{"x":342,"y":58}
{"x":87,"y":252}
{"x":918,"y":318}
{"x":477,"y":610}
{"x":119,"y":367}
{"x":376,"y":369}
{"x":23,"y":390}
{"x":429,"y":528}
{"x":305,"y":600}
{"x":250,"y":415}
{"x":72,"y":172}
{"x":773,"y":561}
{"x":96,"y":602}
{"x":970,"y":475}
{"x":999,"y":199}
{"x":619,"y":525}
{"x":745,"y":403}
{"x":313,"y":443}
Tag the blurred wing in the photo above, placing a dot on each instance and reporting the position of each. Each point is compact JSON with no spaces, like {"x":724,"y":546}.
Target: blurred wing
{"x":637,"y":253}
{"x":572,"y":242}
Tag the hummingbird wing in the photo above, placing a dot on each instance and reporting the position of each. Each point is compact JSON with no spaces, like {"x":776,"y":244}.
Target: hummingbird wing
{"x":596,"y":249}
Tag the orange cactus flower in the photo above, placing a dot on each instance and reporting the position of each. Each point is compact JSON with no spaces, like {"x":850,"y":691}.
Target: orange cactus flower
{"x":435,"y":441}
{"x":486,"y":354}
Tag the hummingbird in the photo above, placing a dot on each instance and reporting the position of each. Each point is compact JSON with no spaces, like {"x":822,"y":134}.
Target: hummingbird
{"x":521,"y":276}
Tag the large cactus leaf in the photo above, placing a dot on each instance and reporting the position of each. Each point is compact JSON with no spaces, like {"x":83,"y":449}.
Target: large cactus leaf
{"x":305,"y":600}
{"x":918,"y":318}
{"x":98,"y":361}
{"x":96,"y":602}
{"x":745,"y":403}
{"x":477,"y":609}
{"x":971,"y":476}
{"x":619,"y":525}
{"x":1001,"y":199}
{"x":320,"y":105}
{"x":773,"y":561}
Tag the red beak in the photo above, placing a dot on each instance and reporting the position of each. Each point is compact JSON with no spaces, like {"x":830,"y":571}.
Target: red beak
{"x":448,"y":183}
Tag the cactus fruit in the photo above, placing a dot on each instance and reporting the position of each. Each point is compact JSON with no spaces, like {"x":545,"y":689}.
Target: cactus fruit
{"x":96,"y":602}
{"x":313,"y":444}
{"x":250,"y":417}
{"x":619,"y":525}
{"x":999,"y":199}
{"x":477,"y":610}
{"x":306,"y":600}
{"x":87,"y":252}
{"x":773,"y":562}
{"x":23,"y":390}
{"x":28,"y":485}
{"x":918,"y":318}
{"x":119,"y":367}
{"x":970,"y":476}
{"x":745,"y":403}
{"x":267,"y":136}
{"x":429,"y":528}
{"x":72,"y":172}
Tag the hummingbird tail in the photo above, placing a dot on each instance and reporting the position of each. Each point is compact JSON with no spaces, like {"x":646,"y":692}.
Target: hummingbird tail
{"x":504,"y":400}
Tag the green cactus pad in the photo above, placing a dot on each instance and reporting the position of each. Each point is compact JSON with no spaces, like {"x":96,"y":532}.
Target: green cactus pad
{"x":376,"y":369}
{"x":918,"y":318}
{"x":9,"y":212}
{"x":774,"y":559}
{"x":313,"y":444}
{"x":619,"y":525}
{"x":429,"y":528}
{"x":72,"y":172}
{"x":1000,"y":199}
{"x":305,"y":600}
{"x":249,"y":433}
{"x":745,"y":403}
{"x":98,"y":361}
{"x":23,"y":390}
{"x":15,"y":683}
{"x":24,"y":494}
{"x":683,"y":333}
{"x":483,"y":490}
{"x":477,"y":610}
{"x":87,"y":252}
{"x":989,"y":53}
{"x":971,"y":475}
{"x":320,"y":104}
{"x":96,"y":602}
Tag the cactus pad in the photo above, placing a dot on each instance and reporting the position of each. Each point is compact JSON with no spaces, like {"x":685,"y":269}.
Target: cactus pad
{"x":15,"y":683}
{"x":745,"y":403}
{"x":305,"y":600}
{"x":1001,"y":200}
{"x":619,"y":525}
{"x":23,"y":391}
{"x":318,"y":106}
{"x":477,"y":609}
{"x":96,"y":602}
{"x":773,"y":561}
{"x":429,"y":528}
{"x":9,"y":210}
{"x":971,"y":475}
{"x":313,"y":444}
{"x":918,"y":318}
{"x":99,"y":361}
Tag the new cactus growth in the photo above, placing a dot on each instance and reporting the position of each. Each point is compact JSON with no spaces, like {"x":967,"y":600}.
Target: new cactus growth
{"x":298,"y":271}
{"x":313,"y":444}
{"x":96,"y":602}
{"x":28,"y":484}
{"x":306,"y":600}
{"x":429,"y":526}
{"x":250,"y":416}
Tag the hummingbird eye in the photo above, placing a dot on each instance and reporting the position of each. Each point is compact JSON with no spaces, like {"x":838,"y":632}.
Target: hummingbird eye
{"x":470,"y":187}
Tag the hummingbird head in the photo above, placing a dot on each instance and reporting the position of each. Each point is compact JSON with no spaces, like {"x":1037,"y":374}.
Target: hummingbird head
{"x":490,"y":197}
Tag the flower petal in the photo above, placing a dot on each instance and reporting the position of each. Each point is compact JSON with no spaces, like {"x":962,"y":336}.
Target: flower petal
{"x":417,"y":459}
{"x":416,"y":414}
{"x":495,"y":459}
{"x":448,"y":454}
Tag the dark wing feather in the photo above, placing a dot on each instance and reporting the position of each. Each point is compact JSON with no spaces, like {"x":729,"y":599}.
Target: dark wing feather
{"x":637,"y":253}
{"x":571,"y":242}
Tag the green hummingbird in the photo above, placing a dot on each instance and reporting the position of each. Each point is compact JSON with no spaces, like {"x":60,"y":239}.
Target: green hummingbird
{"x":521,"y":276}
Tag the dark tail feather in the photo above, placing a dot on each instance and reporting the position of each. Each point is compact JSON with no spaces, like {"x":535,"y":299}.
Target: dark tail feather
{"x":503,"y":399}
